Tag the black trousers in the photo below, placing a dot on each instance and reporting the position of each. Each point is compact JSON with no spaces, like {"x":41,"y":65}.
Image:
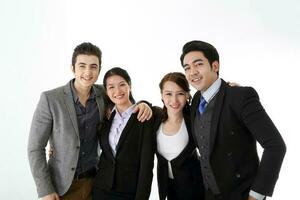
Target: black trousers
{"x":210,"y":196}
{"x":99,"y":194}
{"x":176,"y":192}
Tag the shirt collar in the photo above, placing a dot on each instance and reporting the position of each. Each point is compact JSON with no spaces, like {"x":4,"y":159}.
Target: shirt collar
{"x":75,"y":96}
{"x":124,"y":114}
{"x":212,"y":90}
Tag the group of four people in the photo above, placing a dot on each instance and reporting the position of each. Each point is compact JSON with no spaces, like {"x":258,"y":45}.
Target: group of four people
{"x":205,"y":150}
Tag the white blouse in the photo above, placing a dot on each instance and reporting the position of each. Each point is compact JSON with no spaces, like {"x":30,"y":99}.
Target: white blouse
{"x":170,"y":146}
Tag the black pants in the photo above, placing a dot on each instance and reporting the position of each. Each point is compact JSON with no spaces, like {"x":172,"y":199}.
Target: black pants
{"x":210,"y":196}
{"x":176,"y":192}
{"x":99,"y":194}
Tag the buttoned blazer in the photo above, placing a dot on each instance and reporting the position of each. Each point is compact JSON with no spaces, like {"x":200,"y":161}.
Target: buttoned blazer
{"x":185,"y":167}
{"x":238,"y":122}
{"x":130,"y":171}
{"x":55,"y":121}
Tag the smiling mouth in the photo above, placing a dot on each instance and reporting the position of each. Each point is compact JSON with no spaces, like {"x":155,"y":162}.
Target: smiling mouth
{"x":196,"y":79}
{"x":174,"y":107}
{"x":87,"y":79}
{"x":119,"y":96}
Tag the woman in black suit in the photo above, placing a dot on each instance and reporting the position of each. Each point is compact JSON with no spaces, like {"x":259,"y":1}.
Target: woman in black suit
{"x":126,"y":161}
{"x":178,"y":168}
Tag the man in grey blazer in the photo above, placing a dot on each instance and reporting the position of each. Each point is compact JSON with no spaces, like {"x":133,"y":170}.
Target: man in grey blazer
{"x":67,"y":117}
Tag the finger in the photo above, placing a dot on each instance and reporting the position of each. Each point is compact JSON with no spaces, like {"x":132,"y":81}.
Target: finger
{"x":141,"y":112}
{"x":135,"y":109}
{"x":149,"y":115}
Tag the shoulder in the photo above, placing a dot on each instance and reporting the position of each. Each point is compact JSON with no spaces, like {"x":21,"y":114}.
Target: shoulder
{"x":99,"y":88}
{"x":238,"y":92}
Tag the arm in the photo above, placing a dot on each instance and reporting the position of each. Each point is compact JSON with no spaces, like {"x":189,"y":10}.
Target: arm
{"x":146,"y":163}
{"x":264,"y":131}
{"x":40,"y":131}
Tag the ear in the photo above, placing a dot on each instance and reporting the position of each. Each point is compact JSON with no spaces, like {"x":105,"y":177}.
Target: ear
{"x":72,"y":69}
{"x":215,"y":66}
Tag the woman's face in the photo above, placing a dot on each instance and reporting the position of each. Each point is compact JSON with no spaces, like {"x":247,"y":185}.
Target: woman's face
{"x":174,"y":97}
{"x":118,"y":90}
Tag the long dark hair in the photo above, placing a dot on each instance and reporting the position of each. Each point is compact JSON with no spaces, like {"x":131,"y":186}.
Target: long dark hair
{"x":120,"y":72}
{"x":180,"y":80}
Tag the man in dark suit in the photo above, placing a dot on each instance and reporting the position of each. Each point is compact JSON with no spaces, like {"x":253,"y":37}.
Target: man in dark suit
{"x":226,"y":123}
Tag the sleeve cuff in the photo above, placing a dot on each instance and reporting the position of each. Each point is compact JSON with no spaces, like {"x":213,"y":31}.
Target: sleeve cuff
{"x":256,"y":195}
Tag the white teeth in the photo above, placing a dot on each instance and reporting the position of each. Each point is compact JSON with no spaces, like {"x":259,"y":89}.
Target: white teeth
{"x":87,"y":79}
{"x":119,"y":96}
{"x":196,"y":79}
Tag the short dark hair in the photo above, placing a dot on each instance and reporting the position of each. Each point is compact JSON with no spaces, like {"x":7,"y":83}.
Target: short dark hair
{"x":86,"y":48}
{"x":119,"y":72}
{"x":179,"y":79}
{"x":208,"y":50}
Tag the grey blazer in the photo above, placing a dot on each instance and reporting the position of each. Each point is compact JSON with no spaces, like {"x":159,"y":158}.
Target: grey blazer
{"x":55,"y":120}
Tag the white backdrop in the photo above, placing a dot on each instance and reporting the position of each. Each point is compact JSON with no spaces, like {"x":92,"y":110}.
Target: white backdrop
{"x":258,"y":43}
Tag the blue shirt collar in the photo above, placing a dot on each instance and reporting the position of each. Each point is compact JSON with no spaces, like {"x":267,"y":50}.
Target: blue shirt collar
{"x":212,"y":90}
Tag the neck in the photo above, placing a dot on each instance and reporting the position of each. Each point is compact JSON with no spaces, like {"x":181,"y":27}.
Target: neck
{"x":83,"y":92}
{"x":123,"y":107}
{"x":175,"y":118}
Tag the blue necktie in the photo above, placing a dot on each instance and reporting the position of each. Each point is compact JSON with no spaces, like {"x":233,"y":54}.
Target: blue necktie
{"x":202,"y":105}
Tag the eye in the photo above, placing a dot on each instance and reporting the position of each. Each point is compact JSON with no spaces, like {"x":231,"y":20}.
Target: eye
{"x":186,"y":68}
{"x":110,"y":87}
{"x":168,"y":94}
{"x":198,"y":64}
{"x":181,"y":93}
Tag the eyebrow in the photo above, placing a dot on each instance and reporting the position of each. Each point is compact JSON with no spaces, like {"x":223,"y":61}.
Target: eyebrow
{"x":173,"y":91}
{"x":116,"y":83}
{"x":82,"y":63}
{"x":194,"y":61}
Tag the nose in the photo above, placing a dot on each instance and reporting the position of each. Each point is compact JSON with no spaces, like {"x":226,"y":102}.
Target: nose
{"x":193,"y":70}
{"x":174,"y":99}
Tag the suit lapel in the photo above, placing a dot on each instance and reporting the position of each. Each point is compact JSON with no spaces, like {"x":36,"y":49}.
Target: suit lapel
{"x":105,"y":135}
{"x":126,"y":131}
{"x":100,"y":101}
{"x":194,"y":111}
{"x":68,"y":98}
{"x":216,"y":114}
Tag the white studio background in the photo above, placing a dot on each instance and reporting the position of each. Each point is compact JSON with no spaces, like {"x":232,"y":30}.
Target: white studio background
{"x":258,"y":43}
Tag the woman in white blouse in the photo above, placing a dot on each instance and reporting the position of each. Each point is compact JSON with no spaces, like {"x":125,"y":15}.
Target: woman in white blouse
{"x":178,"y":168}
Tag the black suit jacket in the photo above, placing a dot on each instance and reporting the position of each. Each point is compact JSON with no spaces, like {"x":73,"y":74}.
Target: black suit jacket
{"x":185,"y":167}
{"x":238,"y":121}
{"x":130,"y":171}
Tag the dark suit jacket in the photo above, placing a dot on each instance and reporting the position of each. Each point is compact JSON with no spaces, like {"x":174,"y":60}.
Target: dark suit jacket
{"x":185,"y":167}
{"x":238,"y":121}
{"x":130,"y":171}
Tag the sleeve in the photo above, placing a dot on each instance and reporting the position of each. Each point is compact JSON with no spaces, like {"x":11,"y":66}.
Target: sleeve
{"x":146,"y":163}
{"x":40,"y":131}
{"x":264,"y":131}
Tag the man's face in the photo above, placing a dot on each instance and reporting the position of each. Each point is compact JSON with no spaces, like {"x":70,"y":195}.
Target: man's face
{"x":86,"y":71}
{"x":199,"y":73}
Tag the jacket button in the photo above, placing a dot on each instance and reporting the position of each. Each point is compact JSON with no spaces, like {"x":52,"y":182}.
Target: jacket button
{"x":238,"y":175}
{"x":231,"y":133}
{"x":229,"y":154}
{"x":72,"y":168}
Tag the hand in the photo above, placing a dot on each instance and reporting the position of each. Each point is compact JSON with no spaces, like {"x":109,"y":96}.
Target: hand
{"x":145,"y":112}
{"x":233,"y":84}
{"x":52,"y":196}
{"x":251,"y":198}
{"x":50,"y":152}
